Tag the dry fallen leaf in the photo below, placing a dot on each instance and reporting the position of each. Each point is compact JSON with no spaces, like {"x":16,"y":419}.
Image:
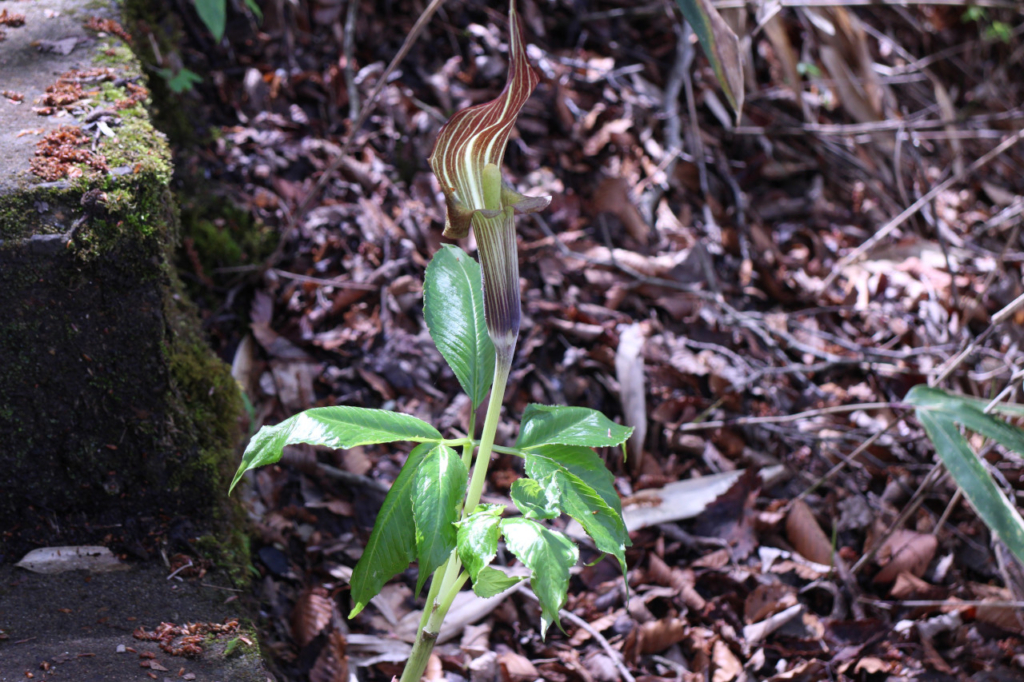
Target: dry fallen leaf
{"x":682,"y":580}
{"x":332,"y":663}
{"x":806,"y":536}
{"x":767,"y":599}
{"x":613,"y":196}
{"x":310,"y":615}
{"x":905,"y":551}
{"x":659,"y":635}
{"x":727,"y":666}
{"x":516,"y":668}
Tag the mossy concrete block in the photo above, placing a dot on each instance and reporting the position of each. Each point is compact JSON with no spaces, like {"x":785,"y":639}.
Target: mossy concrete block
{"x":115,"y":417}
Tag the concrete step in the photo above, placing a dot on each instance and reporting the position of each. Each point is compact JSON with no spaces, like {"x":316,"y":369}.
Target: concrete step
{"x":78,"y":627}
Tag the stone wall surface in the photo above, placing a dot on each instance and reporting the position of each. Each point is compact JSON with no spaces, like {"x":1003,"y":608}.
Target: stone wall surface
{"x":114,"y":415}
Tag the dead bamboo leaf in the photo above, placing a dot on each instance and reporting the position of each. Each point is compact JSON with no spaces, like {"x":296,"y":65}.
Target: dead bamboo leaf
{"x":629,"y":370}
{"x":721,"y":46}
{"x":806,"y":536}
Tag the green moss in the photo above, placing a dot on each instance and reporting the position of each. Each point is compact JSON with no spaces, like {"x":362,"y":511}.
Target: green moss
{"x":114,"y":53}
{"x":231,"y":551}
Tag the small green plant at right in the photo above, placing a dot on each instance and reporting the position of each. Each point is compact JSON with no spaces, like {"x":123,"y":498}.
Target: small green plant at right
{"x":991,"y":30}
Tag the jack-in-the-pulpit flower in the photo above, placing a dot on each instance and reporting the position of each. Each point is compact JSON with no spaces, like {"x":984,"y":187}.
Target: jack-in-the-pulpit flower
{"x":466,"y":160}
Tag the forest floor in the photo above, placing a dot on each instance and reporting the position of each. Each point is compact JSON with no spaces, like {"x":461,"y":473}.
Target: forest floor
{"x":753,"y":298}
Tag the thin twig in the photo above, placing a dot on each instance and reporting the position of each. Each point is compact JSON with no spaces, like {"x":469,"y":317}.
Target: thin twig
{"x":784,"y":418}
{"x":1003,"y":4}
{"x":845,"y":129}
{"x":954,"y":603}
{"x":889,"y":227}
{"x":354,"y":480}
{"x":848,"y":460}
{"x":598,"y":637}
{"x":907,"y":512}
{"x":946,"y":369}
{"x":349,"y":48}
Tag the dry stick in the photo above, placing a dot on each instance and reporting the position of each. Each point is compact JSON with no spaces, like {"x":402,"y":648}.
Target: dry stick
{"x":848,"y":460}
{"x":1004,"y":4}
{"x":782,"y":419}
{"x":598,"y":637}
{"x":943,"y":372}
{"x":888,"y":228}
{"x":349,"y":49}
{"x":832,"y":129}
{"x":697,"y":144}
{"x":956,"y":603}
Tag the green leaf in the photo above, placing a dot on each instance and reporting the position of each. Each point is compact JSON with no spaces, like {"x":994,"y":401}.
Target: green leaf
{"x":392,"y":544}
{"x":180,"y":82}
{"x":721,"y":46}
{"x":214,"y":15}
{"x":968,"y":414}
{"x":437,"y":494}
{"x":453,"y":307}
{"x":255,"y":9}
{"x":478,"y":538}
{"x":332,"y":427}
{"x":532,"y":500}
{"x":580,"y":501}
{"x":558,"y":425}
{"x":975,"y":480}
{"x":492,"y":582}
{"x":589,"y":466}
{"x":549,"y":555}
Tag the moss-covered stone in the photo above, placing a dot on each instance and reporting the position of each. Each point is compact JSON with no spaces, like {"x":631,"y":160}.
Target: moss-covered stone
{"x":115,"y":417}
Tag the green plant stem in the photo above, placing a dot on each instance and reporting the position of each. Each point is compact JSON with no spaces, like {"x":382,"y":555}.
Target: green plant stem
{"x":483,"y":457}
{"x":467,"y":448}
{"x":435,"y":587}
{"x":429,"y":631}
{"x":443,"y":590}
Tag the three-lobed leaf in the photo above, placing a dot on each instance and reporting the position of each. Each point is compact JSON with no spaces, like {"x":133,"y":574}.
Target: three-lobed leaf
{"x":491,"y":582}
{"x":333,"y":427}
{"x":392,"y":544}
{"x":453,"y":308}
{"x":438,"y":489}
{"x":549,"y":555}
{"x":478,"y":537}
{"x":532,"y":500}
{"x":558,"y":425}
{"x":589,"y":466}
{"x":579,"y":500}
